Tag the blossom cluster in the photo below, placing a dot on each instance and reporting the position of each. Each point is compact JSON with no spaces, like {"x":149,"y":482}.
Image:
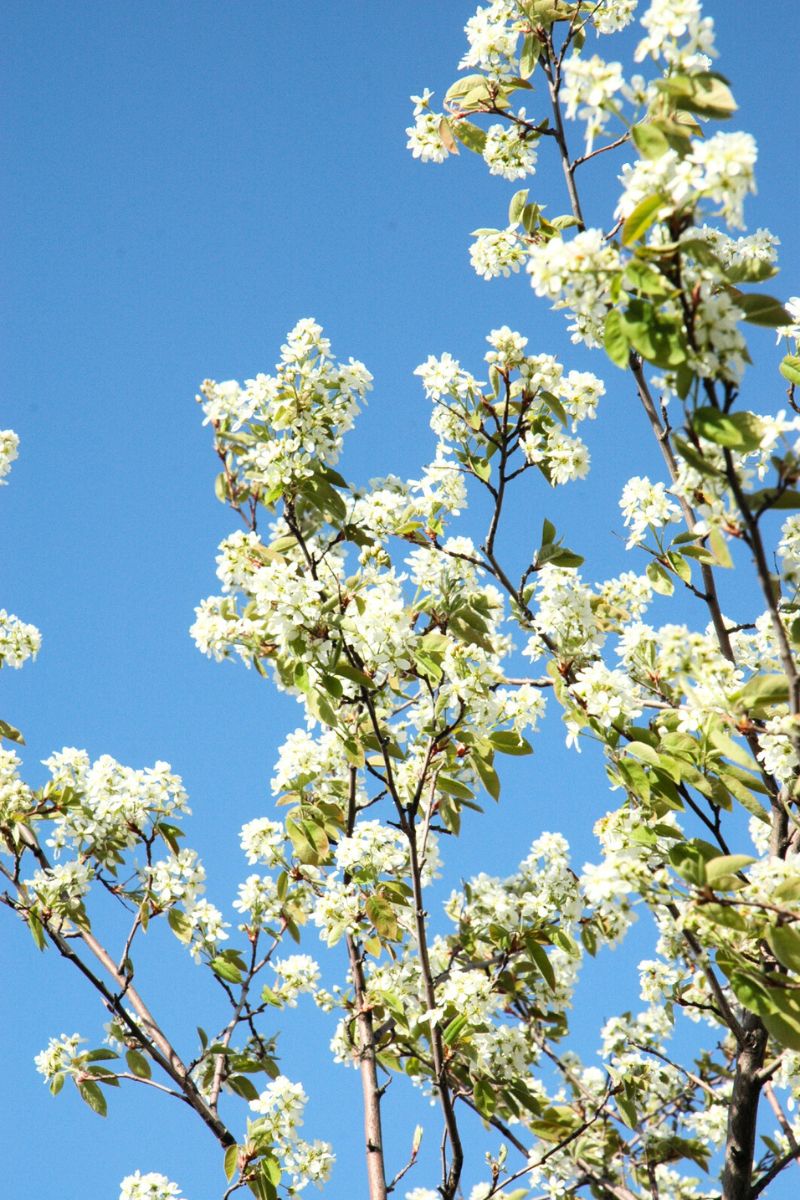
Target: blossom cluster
{"x":150,"y":1186}
{"x":296,"y":418}
{"x":19,"y":640}
{"x":280,"y":1115}
{"x":9,"y":449}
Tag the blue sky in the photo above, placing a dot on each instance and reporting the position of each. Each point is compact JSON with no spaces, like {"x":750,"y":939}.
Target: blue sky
{"x":183,"y":182}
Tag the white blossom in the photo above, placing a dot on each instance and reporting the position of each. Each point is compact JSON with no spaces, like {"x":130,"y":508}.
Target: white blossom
{"x":679,"y":33}
{"x":425,"y":138}
{"x":492,"y":39}
{"x":778,"y":748}
{"x":57,"y":1057}
{"x":608,"y":694}
{"x":262,"y":841}
{"x":613,"y":15}
{"x":589,"y":90}
{"x":789,"y":548}
{"x":644,"y":506}
{"x":258,"y":900}
{"x":508,"y":152}
{"x":19,"y":641}
{"x":496,"y":252}
{"x":9,"y":450}
{"x":151,"y":1186}
{"x":294,"y":975}
{"x":576,"y":274}
{"x":727,"y":161}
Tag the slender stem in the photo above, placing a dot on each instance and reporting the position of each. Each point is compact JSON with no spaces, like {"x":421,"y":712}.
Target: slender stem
{"x":689,"y":516}
{"x":225,"y":1040}
{"x":367,"y":1058}
{"x":451,"y":1176}
{"x":149,"y":1033}
{"x":166,"y":1057}
{"x":768,"y":1176}
{"x":552,"y":74}
{"x":782,"y":1120}
{"x":584,"y":158}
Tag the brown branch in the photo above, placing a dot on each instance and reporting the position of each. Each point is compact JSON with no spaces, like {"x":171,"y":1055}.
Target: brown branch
{"x":782,"y":1120}
{"x":620,"y":141}
{"x":452,"y":1175}
{"x":554,"y":86}
{"x":367,"y":1058}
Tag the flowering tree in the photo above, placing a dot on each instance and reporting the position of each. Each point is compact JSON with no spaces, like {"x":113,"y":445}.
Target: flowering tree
{"x":395,"y":629}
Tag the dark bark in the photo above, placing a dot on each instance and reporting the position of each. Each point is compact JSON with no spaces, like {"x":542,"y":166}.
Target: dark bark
{"x":743,"y":1113}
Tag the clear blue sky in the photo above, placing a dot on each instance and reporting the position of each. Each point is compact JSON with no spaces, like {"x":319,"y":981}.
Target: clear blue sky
{"x":183,"y":181}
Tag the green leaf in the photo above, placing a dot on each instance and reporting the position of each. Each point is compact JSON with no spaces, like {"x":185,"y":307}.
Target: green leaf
{"x":487,"y":775}
{"x":627,"y":1108}
{"x":454,"y":787}
{"x":790,"y":368}
{"x":762,"y":692}
{"x":784,"y":1028}
{"x":719,"y":548}
{"x":309,"y":840}
{"x":453,"y":1029}
{"x":722,"y":914}
{"x":469,"y":92}
{"x":750,"y":271}
{"x":171,"y":835}
{"x":240,"y":1085}
{"x":531,"y":214}
{"x":11,"y":734}
{"x":344,"y":669}
{"x":231,"y":1161}
{"x":180,"y":925}
{"x":531,"y":48}
{"x":469,"y":135}
{"x":762,"y":310}
{"x":542,"y":960}
{"x":615,"y":340}
{"x":643,"y":216}
{"x":485,"y":1099}
{"x":555,"y":406}
{"x":752,"y":993}
{"x":659,"y":339}
{"x":226,"y":970}
{"x":510,"y":742}
{"x":784,"y":941}
{"x":261,"y":1185}
{"x":782,"y":1016}
{"x":689,"y":860}
{"x":138,"y":1064}
{"x":787,"y":891}
{"x":517,"y":205}
{"x":721,"y":872}
{"x":781,"y":498}
{"x":735,"y":430}
{"x":92,"y":1095}
{"x":382,"y":916}
{"x":644,"y":278}
{"x":37,"y":931}
{"x":649,"y":140}
{"x":547,"y":12}
{"x":705,"y":93}
{"x":482,"y":468}
{"x":680,"y":566}
{"x":660,"y":578}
